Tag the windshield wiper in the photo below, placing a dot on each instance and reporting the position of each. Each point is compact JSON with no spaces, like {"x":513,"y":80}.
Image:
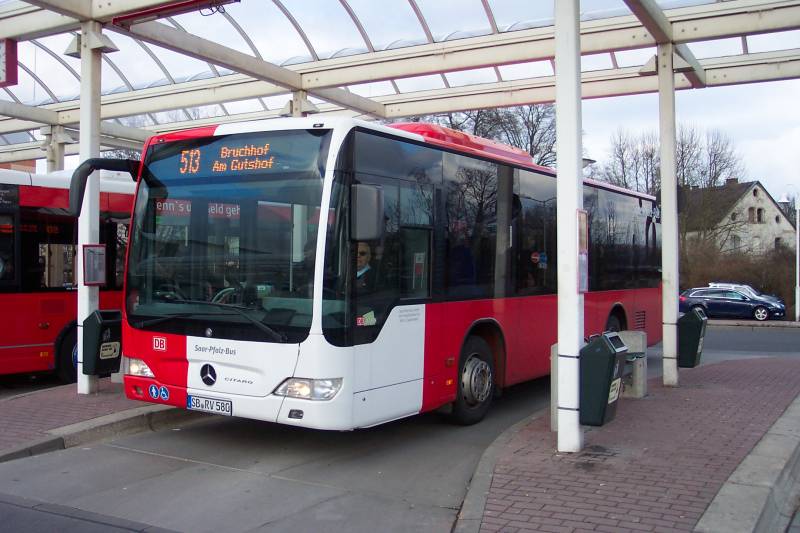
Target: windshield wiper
{"x":280,"y":337}
{"x":160,"y":319}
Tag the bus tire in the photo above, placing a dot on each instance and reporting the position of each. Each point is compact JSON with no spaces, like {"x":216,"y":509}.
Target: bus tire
{"x":475,"y":382}
{"x":66,"y":369}
{"x":614,"y":322}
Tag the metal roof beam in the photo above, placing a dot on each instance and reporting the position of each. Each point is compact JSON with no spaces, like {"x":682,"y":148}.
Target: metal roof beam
{"x":236,"y":87}
{"x":22,"y":21}
{"x":77,"y":9}
{"x":769,"y":66}
{"x":659,"y":26}
{"x":26,"y":151}
{"x":40,"y":116}
{"x":100,"y":11}
{"x":28,"y":113}
{"x":205,"y":50}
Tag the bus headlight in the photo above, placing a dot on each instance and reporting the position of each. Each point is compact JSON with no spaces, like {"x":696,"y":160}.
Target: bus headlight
{"x":137,"y":367}
{"x":309,"y":389}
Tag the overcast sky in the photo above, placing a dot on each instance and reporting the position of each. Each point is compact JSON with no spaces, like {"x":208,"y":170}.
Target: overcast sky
{"x":762,"y":120}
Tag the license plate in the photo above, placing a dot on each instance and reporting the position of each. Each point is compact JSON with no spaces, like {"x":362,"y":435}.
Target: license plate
{"x":209,"y":405}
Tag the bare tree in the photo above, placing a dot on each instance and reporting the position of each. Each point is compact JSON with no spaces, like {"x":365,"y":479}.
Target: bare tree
{"x":688,"y":151}
{"x":634,"y":162}
{"x":720,"y":161}
{"x":701,"y":160}
{"x":531,"y":127}
{"x":123,"y":153}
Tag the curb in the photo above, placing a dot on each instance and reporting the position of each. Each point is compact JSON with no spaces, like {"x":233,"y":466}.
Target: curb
{"x":79,"y":514}
{"x":753,"y":324}
{"x":471,"y":514}
{"x":128,"y":422}
{"x":762,"y":494}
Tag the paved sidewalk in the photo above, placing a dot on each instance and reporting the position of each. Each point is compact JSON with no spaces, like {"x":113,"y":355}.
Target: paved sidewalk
{"x":656,"y":467}
{"x":30,"y":416}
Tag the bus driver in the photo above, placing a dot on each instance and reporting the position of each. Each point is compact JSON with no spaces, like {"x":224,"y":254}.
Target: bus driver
{"x":365,"y":274}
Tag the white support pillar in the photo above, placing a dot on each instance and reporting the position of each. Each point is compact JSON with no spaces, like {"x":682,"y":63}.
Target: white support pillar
{"x":299,"y":106}
{"x":570,"y":198}
{"x":89,"y":221}
{"x":54,"y":140}
{"x":669,"y":213}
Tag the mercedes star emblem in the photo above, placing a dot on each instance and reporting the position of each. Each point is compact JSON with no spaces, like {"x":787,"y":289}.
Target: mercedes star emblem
{"x":208,"y":375}
{"x":209,"y":332}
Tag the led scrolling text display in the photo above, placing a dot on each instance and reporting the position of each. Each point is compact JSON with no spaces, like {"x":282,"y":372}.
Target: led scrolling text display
{"x":249,"y":157}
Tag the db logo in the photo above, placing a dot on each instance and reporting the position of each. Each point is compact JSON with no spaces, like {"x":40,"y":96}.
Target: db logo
{"x":160,"y":344}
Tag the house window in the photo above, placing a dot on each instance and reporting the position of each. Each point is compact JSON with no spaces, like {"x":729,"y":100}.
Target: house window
{"x":751,"y":214}
{"x":777,"y":242}
{"x":737,"y":242}
{"x":755,"y":192}
{"x":734,"y":216}
{"x":760,"y":215}
{"x":777,"y":219}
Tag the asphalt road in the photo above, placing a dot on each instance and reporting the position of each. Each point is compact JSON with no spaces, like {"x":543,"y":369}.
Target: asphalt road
{"x":241,"y":475}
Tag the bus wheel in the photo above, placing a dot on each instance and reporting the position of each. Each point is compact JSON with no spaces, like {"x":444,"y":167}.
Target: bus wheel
{"x":613,"y":323}
{"x":66,"y":357}
{"x":475,"y":382}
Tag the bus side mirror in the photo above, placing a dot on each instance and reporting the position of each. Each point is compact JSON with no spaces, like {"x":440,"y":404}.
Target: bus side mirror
{"x":366,"y":212}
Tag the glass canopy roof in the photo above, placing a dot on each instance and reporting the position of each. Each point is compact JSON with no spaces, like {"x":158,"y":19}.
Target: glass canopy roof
{"x":293,"y":32}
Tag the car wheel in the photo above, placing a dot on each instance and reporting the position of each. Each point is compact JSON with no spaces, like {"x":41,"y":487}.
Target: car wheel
{"x":760,"y":313}
{"x":475,"y":382}
{"x":700,"y":307}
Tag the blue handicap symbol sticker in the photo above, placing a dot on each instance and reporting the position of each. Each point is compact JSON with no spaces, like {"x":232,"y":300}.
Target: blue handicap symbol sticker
{"x":164,"y":393}
{"x":153,"y":390}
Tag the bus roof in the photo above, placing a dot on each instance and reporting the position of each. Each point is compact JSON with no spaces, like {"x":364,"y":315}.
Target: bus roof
{"x":115,"y":182}
{"x":462,"y":142}
{"x":421,"y":131}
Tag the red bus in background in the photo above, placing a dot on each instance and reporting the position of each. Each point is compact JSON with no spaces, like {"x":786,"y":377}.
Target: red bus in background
{"x":38,"y":291}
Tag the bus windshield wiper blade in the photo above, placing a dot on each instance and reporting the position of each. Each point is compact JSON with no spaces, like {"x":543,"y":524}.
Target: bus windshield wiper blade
{"x":280,"y":337}
{"x":160,"y":319}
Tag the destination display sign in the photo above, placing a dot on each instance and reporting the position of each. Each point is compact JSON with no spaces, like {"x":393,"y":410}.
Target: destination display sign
{"x":259,"y":153}
{"x":9,"y":196}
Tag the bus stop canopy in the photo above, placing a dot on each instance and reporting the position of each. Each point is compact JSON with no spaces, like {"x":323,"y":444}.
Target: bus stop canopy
{"x":167,"y":68}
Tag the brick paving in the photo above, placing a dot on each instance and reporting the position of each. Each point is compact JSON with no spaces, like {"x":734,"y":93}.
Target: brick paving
{"x":656,"y":467}
{"x":27,"y":417}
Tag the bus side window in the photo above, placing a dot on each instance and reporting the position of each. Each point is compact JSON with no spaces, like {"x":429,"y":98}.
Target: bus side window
{"x":48,"y":254}
{"x":7,"y":255}
{"x":115,"y":236}
{"x":415,"y":250}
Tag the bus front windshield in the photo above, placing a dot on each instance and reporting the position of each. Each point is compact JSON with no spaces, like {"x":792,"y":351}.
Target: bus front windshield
{"x":224,"y":236}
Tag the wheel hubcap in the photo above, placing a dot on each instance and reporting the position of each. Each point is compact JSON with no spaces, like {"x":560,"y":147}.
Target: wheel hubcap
{"x":476,"y":380}
{"x":761,"y":314}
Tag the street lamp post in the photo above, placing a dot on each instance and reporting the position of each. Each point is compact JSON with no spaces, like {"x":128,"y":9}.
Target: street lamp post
{"x":784,"y":201}
{"x":796,"y":255}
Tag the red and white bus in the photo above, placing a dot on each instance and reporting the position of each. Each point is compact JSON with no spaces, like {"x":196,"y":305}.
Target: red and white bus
{"x":38,"y":306}
{"x":337,"y":274}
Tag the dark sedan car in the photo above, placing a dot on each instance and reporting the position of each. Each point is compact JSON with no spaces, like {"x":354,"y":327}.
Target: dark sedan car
{"x":720,"y":302}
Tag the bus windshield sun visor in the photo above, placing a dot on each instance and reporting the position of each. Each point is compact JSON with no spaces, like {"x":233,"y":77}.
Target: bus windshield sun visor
{"x":77,"y":185}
